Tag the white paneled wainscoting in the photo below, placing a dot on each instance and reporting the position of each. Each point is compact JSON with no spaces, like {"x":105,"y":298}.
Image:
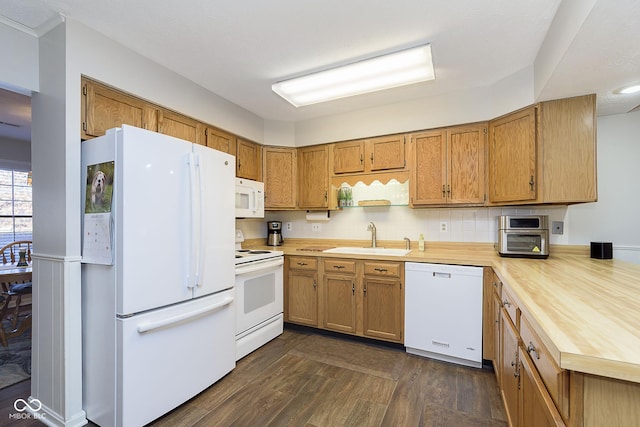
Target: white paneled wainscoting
{"x":56,"y":365}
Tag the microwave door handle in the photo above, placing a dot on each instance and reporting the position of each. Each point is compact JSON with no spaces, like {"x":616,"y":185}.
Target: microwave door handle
{"x":255,"y":200}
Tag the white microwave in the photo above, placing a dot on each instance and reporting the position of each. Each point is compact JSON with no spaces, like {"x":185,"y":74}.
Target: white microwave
{"x":249,"y":198}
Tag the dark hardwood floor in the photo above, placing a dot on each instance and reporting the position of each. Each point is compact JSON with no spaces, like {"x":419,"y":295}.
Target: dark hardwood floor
{"x":303,"y":378}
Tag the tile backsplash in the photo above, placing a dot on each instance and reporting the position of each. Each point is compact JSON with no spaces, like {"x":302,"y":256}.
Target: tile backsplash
{"x":397,"y":222}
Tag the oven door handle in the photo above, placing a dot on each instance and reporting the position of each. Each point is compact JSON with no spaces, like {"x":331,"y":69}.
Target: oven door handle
{"x":252,"y":267}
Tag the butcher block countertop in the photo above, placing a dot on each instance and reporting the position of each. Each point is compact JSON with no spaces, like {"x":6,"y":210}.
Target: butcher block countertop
{"x":586,"y":311}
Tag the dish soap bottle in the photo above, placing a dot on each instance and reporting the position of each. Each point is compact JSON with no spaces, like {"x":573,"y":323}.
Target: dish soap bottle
{"x":421,"y":243}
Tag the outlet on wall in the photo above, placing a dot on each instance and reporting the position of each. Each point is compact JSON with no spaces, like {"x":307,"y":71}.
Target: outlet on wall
{"x":288,"y":226}
{"x":316,"y":227}
{"x":444,"y":226}
{"x":557,"y":227}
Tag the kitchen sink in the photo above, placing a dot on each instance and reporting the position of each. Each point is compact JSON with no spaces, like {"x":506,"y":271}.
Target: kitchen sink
{"x":368,"y":251}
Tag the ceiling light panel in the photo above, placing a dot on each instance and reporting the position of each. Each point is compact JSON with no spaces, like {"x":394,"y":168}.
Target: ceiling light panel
{"x":401,"y":68}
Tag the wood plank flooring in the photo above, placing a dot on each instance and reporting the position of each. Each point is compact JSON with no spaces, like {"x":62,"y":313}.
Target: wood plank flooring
{"x":303,"y":378}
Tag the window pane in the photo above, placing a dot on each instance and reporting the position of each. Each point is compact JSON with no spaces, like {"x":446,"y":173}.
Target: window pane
{"x":24,"y":225}
{"x":6,"y":225}
{"x":20,"y":178}
{"x":22,"y":193}
{"x":22,"y":208}
{"x":5,"y":177}
{"x":5,"y":192}
{"x":6,"y":208}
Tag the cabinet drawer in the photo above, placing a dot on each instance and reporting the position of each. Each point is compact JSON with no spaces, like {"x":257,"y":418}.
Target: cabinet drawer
{"x":511,"y":307}
{"x":339,"y":266}
{"x":387,"y":269}
{"x":303,"y":263}
{"x":555,"y":379}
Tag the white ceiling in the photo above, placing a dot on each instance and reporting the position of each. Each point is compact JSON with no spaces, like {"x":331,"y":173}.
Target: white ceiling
{"x":237,"y":49}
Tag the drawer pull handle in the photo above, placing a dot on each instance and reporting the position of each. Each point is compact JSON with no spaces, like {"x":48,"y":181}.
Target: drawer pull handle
{"x":314,"y":284}
{"x":338,"y":266}
{"x":532,"y":349}
{"x":381,"y":270}
{"x":506,"y":303}
{"x":302,"y":263}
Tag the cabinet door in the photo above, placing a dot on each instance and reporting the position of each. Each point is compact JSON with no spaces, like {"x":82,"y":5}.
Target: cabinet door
{"x":220,"y":140}
{"x":383,"y":314}
{"x":340,"y":302}
{"x":387,"y":152}
{"x":348,"y":157}
{"x":465,"y":164}
{"x":248,"y":160}
{"x":509,"y":368}
{"x":302,"y":294}
{"x":313,"y":177}
{"x":179,"y":126}
{"x":512,"y":157}
{"x":568,"y":135}
{"x":105,"y":108}
{"x":497,"y":348}
{"x":279,"y":177}
{"x":428,"y":169}
{"x":536,"y":406}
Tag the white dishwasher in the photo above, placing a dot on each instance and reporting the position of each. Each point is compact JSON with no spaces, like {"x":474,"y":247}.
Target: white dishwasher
{"x":443,"y":312}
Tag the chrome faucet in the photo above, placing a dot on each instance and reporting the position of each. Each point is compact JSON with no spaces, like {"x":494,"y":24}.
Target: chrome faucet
{"x":407,"y":242}
{"x":372,"y":229}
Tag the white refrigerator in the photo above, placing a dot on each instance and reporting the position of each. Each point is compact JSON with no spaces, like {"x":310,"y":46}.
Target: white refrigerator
{"x":158,"y":319}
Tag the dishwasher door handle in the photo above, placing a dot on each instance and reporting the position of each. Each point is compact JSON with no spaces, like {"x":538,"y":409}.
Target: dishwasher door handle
{"x":443,"y":275}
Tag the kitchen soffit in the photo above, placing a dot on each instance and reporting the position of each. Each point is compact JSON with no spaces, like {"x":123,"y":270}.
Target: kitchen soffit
{"x":475,"y":44}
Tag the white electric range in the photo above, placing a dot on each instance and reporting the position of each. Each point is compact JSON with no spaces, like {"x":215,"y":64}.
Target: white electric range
{"x":259,"y":297}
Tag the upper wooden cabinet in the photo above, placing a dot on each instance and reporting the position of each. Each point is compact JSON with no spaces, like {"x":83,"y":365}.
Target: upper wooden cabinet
{"x":313,"y":177}
{"x":545,"y":153}
{"x":248,"y":160}
{"x":220,"y":140}
{"x":512,"y":157}
{"x":568,"y":135}
{"x":279,"y":172}
{"x":370,"y":155}
{"x":105,"y":108}
{"x":179,"y":126}
{"x":448,"y":166}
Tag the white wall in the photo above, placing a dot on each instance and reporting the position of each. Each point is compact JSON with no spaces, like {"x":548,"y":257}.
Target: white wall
{"x":19,"y":65}
{"x":614,"y":218}
{"x":15,"y":154}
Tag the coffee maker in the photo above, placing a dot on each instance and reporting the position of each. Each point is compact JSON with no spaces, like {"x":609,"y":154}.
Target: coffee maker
{"x":274,"y":233}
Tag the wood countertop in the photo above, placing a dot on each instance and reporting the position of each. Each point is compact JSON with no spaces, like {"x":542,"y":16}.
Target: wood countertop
{"x":586,"y":311}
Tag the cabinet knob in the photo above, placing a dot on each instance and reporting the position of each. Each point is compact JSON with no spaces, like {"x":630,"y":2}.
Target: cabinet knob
{"x":506,"y":303}
{"x":371,"y":158}
{"x":531,"y":182}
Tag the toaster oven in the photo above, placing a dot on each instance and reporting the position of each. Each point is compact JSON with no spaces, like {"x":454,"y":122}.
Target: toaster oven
{"x":523,"y":236}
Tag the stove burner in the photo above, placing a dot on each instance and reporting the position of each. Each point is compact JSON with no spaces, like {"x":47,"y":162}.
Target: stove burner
{"x":259,"y":252}
{"x":238,"y":256}
{"x":243,"y":250}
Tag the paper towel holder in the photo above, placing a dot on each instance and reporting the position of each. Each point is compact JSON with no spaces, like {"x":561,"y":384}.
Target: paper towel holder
{"x":318,"y":215}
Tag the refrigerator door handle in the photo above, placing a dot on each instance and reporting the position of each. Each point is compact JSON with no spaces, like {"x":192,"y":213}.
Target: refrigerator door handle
{"x":193,"y":232}
{"x":170,"y":321}
{"x":202,"y":225}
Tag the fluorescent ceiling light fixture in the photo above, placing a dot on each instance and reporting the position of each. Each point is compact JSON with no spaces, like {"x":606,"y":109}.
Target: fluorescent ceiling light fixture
{"x":629,"y":89}
{"x":401,"y":68}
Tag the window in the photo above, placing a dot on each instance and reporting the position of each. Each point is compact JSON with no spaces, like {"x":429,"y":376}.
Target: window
{"x":15,"y":206}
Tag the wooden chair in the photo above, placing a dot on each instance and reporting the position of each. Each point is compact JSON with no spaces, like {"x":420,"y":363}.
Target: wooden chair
{"x":11,"y":253}
{"x":16,"y":289}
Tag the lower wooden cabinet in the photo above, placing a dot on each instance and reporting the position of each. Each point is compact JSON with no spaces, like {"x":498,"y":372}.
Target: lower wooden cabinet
{"x":358,"y":297}
{"x":383,"y":296}
{"x":509,"y":381}
{"x":301,"y":292}
{"x":534,"y":390}
{"x":535,"y":404}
